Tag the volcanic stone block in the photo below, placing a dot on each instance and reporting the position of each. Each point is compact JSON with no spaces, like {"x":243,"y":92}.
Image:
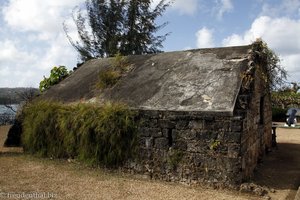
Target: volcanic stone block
{"x":161,"y":143}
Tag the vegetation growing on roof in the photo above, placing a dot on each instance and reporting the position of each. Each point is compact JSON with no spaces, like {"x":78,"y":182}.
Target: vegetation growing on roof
{"x":104,"y":135}
{"x":57,"y":74}
{"x":119,"y":66}
{"x":108,"y":78}
{"x":264,"y":61}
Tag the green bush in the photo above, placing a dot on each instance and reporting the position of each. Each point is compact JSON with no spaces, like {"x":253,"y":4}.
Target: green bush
{"x":57,"y":74}
{"x":103,"y":135}
{"x":279,"y":114}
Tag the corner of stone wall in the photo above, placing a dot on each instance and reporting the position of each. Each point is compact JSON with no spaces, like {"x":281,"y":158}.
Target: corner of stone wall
{"x":256,"y":133}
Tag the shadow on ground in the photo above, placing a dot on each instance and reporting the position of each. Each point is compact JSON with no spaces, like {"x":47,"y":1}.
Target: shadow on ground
{"x":280,"y":169}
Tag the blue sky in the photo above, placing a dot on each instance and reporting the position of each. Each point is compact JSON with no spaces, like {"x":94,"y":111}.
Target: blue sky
{"x":32,"y":40}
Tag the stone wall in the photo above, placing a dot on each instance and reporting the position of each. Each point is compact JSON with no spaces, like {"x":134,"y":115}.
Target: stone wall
{"x":200,"y":147}
{"x":254,"y":108}
{"x":189,"y":147}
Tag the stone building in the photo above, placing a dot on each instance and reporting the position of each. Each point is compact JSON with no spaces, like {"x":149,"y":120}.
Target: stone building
{"x":205,"y":113}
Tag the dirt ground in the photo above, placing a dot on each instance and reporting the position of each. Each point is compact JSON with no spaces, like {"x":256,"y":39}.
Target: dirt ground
{"x":280,"y":169}
{"x":25,"y":175}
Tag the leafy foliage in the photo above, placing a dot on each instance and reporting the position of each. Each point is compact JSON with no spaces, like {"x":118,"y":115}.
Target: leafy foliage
{"x":285,"y":99}
{"x":103,"y":135}
{"x":113,"y":26}
{"x":273,"y":73}
{"x":56,"y":75}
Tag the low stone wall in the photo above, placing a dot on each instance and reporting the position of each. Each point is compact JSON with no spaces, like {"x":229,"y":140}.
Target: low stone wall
{"x":189,"y":147}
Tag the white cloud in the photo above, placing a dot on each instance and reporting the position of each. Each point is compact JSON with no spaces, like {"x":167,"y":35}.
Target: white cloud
{"x":223,"y":6}
{"x":23,"y":62}
{"x":286,"y":7}
{"x":60,"y":52}
{"x":188,"y":7}
{"x":184,"y":7}
{"x":22,"y":68}
{"x":205,"y":38}
{"x":19,"y":67}
{"x":10,"y":53}
{"x":43,"y":17}
{"x":235,"y":40}
{"x":16,"y":67}
{"x":281,"y":34}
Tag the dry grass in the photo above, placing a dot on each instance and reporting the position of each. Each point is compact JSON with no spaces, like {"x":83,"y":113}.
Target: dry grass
{"x":22,"y":173}
{"x":69,"y":180}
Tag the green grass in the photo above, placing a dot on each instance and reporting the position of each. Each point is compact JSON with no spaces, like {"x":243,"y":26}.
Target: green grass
{"x":108,"y":79}
{"x":103,"y":135}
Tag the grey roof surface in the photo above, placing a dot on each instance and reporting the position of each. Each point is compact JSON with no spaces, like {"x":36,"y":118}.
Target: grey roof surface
{"x":193,"y":80}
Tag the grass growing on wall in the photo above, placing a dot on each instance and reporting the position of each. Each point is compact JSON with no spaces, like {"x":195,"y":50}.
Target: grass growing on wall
{"x":103,"y":135}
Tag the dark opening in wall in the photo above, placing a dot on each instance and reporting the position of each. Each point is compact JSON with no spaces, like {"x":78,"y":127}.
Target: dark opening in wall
{"x":261,"y":110}
{"x":170,"y":138}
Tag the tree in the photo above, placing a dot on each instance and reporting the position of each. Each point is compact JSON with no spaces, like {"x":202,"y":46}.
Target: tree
{"x":112,"y":26}
{"x":140,"y":28}
{"x":57,"y":74}
{"x":286,"y":96}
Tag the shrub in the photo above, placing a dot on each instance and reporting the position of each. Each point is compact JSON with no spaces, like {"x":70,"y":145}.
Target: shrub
{"x":103,"y":135}
{"x":279,"y":114}
{"x":57,"y":74}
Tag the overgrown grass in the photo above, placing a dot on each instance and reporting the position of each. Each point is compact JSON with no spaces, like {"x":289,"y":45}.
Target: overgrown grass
{"x":103,"y":135}
{"x":108,"y":78}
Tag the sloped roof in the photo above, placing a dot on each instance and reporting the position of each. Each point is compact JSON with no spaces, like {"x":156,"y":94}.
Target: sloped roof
{"x":193,"y":80}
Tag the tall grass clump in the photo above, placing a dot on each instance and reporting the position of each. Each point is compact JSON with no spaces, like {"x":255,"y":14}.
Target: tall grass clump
{"x":104,"y":135}
{"x":108,"y":79}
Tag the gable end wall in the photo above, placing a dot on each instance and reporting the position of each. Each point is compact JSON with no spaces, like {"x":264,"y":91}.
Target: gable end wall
{"x":254,"y":108}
